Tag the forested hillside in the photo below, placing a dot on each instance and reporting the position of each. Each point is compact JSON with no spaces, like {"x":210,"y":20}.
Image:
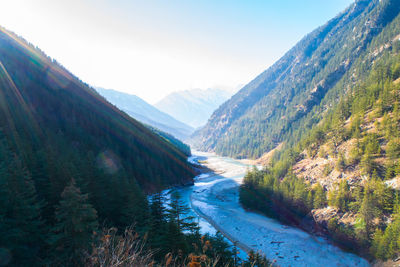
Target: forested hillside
{"x":71,"y":163}
{"x":272,"y":107}
{"x":339,"y":167}
{"x":174,"y":141}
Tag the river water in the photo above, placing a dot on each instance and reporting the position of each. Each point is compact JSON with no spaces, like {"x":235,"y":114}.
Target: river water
{"x":214,"y":200}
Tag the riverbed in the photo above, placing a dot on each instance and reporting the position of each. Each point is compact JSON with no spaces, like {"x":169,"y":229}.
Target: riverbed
{"x":214,"y":199}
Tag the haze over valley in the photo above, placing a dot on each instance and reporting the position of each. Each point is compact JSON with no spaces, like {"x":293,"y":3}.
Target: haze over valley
{"x":245,"y":133}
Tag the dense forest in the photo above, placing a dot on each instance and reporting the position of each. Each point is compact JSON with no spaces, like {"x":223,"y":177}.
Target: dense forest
{"x":184,"y":148}
{"x":268,"y":110}
{"x":351,"y":144}
{"x":75,"y":173}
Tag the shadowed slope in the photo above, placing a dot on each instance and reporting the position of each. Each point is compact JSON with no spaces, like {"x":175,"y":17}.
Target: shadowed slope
{"x":43,"y":105}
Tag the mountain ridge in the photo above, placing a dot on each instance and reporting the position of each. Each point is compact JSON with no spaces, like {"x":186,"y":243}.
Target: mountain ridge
{"x":55,"y":79}
{"x":336,"y":170}
{"x":263,"y":112}
{"x":194,"y":106}
{"x":70,"y":161}
{"x":146,"y":113}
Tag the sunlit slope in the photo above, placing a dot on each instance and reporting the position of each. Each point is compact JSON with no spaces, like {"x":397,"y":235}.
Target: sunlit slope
{"x":269,"y":109}
{"x":45,"y":110}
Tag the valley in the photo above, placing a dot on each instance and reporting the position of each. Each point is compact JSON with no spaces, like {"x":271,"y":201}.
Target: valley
{"x":215,"y":198}
{"x":300,"y":167}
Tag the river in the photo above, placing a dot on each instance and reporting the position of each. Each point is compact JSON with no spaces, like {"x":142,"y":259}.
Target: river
{"x":214,"y":199}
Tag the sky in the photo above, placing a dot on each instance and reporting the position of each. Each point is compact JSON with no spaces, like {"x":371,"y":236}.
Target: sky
{"x":151,"y":48}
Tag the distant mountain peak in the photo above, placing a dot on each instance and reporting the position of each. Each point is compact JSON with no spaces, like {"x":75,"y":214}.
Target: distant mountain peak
{"x":146,"y":113}
{"x":193,"y":106}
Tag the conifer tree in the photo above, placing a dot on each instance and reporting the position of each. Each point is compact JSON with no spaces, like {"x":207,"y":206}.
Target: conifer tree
{"x":367,"y":163}
{"x":21,"y":226}
{"x":319,"y":197}
{"x":158,"y":224}
{"x":340,"y":163}
{"x":393,"y":149}
{"x":135,"y":208}
{"x":75,"y":226}
{"x":340,"y":198}
{"x":368,"y":210}
{"x":178,"y":212}
{"x":177,"y":243}
{"x":310,"y":199}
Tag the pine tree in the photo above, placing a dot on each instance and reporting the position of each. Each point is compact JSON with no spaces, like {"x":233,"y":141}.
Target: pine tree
{"x":393,"y":149}
{"x":22,"y":230}
{"x":177,"y":243}
{"x":355,"y":127}
{"x":367,"y":164}
{"x":340,"y":198}
{"x":355,"y":153}
{"x":341,"y":162}
{"x":158,"y":224}
{"x":337,"y":132}
{"x":377,"y":247}
{"x":75,"y":226}
{"x":383,"y":196}
{"x":387,"y":245}
{"x":319,"y":197}
{"x":368,"y":210}
{"x":178,"y":212}
{"x":310,"y":199}
{"x":135,"y":209}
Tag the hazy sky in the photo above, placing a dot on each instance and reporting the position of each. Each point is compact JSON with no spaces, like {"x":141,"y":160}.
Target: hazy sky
{"x":151,"y":48}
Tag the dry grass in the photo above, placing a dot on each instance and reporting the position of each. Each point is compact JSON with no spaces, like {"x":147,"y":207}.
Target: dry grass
{"x":113,"y":250}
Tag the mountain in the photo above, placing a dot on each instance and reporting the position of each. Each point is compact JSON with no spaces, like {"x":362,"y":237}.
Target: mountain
{"x":47,"y":98}
{"x":146,"y":113}
{"x":193,"y":107}
{"x":71,"y":161}
{"x":268,"y":110}
{"x":328,"y":114}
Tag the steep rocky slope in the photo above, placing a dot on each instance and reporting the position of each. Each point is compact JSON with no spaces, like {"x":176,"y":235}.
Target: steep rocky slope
{"x":270,"y":108}
{"x":339,"y":170}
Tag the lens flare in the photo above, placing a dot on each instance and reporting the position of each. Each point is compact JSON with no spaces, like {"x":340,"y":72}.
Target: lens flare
{"x":108,"y":161}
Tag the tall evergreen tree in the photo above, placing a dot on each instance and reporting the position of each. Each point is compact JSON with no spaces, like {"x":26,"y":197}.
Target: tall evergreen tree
{"x":75,"y":226}
{"x":135,"y":209}
{"x":368,"y":210}
{"x":178,"y":212}
{"x":22,"y":230}
{"x":319,"y":197}
{"x":158,"y":224}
